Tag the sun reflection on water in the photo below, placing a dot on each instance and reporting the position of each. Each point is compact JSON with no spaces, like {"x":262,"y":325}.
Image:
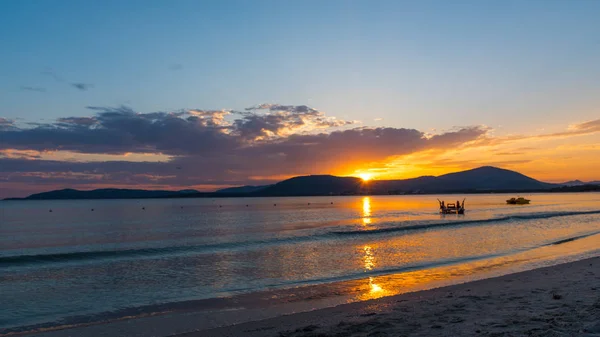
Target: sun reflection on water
{"x":366,"y":210}
{"x":374,"y":290}
{"x":369,"y":258}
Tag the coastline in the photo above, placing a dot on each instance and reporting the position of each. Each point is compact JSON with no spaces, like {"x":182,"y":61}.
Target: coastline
{"x":561,"y":300}
{"x":217,"y":195}
{"x":490,"y":304}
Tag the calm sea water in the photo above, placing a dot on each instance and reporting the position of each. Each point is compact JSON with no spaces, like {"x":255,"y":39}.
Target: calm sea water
{"x":87,"y":258}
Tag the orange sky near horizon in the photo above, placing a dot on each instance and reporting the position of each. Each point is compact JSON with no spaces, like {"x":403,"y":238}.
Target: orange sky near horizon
{"x":551,"y":157}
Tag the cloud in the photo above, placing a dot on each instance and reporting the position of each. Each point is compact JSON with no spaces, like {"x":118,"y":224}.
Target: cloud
{"x":282,"y":120}
{"x":77,"y":85}
{"x":184,"y":132}
{"x":36,"y":89}
{"x":578,"y":129}
{"x":51,"y":73}
{"x":82,"y":86}
{"x":205,"y":147}
{"x":7,"y":124}
{"x":509,"y":153}
{"x":585,"y":127}
{"x":76,"y":121}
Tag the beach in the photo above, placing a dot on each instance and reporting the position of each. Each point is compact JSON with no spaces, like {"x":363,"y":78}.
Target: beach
{"x":562,"y":300}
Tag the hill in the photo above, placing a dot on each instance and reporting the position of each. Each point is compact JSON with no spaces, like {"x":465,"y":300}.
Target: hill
{"x":486,"y":178}
{"x":242,"y":189}
{"x":577,"y":188}
{"x":483,"y":179}
{"x":107,"y":193}
{"x":479,"y":180}
{"x":313,"y":185}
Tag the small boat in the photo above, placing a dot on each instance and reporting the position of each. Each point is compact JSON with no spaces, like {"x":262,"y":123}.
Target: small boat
{"x":517,"y":201}
{"x":452,"y":208}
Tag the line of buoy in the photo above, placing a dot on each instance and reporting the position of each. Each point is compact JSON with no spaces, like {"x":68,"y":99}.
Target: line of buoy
{"x":220,"y":206}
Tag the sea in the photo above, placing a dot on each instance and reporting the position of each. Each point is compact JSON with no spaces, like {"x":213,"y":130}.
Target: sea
{"x":226,"y":260}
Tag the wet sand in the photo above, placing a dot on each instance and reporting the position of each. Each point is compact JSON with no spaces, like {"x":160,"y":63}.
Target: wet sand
{"x":562,"y":300}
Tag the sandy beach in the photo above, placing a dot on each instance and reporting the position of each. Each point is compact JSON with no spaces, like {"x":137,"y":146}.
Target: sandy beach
{"x":562,"y":300}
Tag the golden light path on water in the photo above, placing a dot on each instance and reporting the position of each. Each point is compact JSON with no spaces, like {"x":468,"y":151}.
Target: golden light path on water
{"x":373,"y":287}
{"x":366,"y":210}
{"x":375,"y":290}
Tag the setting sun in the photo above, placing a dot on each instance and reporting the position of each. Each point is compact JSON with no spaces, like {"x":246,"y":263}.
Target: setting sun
{"x":365,"y":176}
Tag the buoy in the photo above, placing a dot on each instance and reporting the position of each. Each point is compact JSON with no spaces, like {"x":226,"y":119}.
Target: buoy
{"x":50,"y":211}
{"x":274,"y":204}
{"x":309,"y":203}
{"x":92,"y":209}
{"x":144,"y":208}
{"x":332,"y":202}
{"x":246,"y":205}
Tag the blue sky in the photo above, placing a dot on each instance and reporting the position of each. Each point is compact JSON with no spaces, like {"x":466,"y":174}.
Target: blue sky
{"x":509,"y":83}
{"x":413,"y":64}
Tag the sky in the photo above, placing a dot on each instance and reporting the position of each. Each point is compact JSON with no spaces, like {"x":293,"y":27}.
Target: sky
{"x":191,"y":94}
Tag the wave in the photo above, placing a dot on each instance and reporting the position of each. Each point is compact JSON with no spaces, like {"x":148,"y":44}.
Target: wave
{"x":21,"y":260}
{"x":573,"y":238}
{"x":464,"y":222}
{"x":68,"y":257}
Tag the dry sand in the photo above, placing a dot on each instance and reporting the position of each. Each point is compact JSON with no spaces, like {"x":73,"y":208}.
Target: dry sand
{"x":562,"y":300}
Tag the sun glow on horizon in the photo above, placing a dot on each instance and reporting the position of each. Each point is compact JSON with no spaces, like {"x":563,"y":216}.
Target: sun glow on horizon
{"x":366,"y":176}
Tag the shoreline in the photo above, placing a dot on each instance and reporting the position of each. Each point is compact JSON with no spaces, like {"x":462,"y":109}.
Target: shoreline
{"x":241,"y":196}
{"x":264,"y":319}
{"x":560,"y":300}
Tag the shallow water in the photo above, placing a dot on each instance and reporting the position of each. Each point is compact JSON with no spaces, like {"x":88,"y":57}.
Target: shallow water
{"x":74,"y":264}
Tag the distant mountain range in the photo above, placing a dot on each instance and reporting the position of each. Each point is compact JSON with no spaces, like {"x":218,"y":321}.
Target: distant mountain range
{"x":107,"y":193}
{"x":483,"y":179}
{"x":480,"y":180}
{"x":242,"y":189}
{"x":580,"y":183}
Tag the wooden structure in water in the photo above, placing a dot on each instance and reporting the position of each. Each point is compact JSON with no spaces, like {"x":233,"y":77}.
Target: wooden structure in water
{"x":452,"y":208}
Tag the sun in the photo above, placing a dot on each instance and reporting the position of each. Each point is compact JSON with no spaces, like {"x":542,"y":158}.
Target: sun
{"x":365,"y":176}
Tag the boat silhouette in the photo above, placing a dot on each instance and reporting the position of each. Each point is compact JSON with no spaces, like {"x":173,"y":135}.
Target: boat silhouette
{"x":517,"y":201}
{"x":452,"y":208}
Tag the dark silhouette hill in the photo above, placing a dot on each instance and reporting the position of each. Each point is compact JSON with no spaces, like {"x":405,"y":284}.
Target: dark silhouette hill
{"x":486,"y":178}
{"x":491,"y":178}
{"x":579,"y":183}
{"x":577,"y":188}
{"x":479,"y":180}
{"x":242,"y":189}
{"x":572,"y":183}
{"x":107,"y":193}
{"x":313,"y":185}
